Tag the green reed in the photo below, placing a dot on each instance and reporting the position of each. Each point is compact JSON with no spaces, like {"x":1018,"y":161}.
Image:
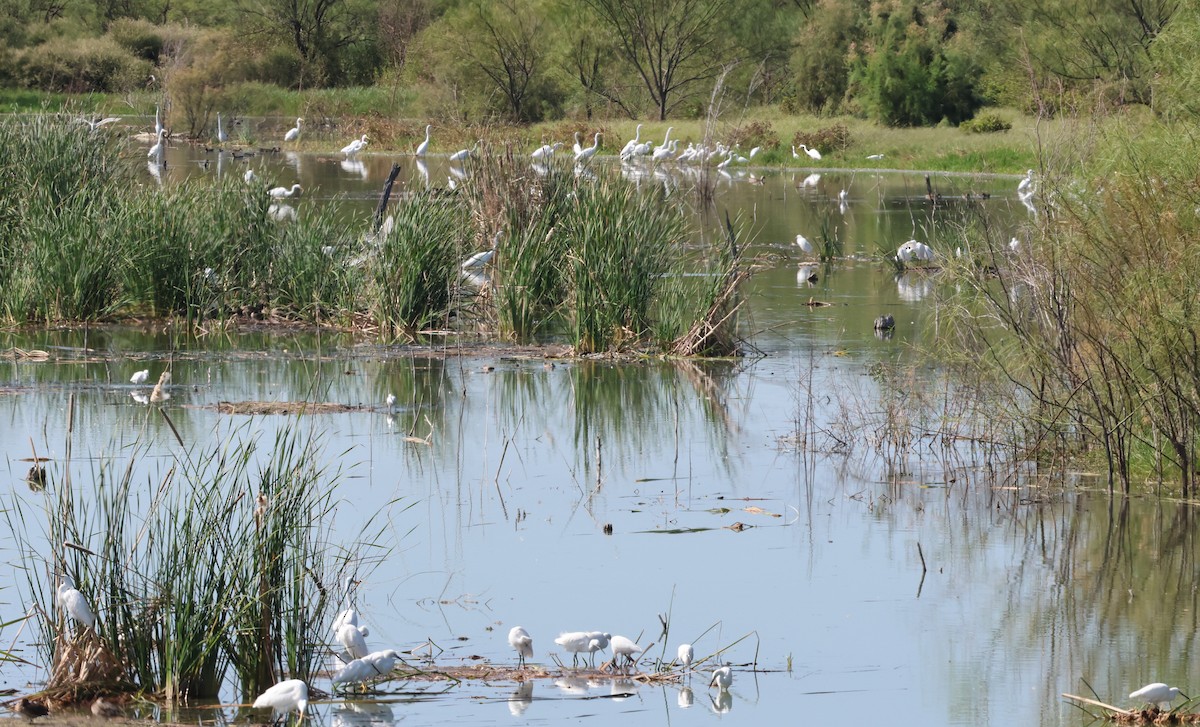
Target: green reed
{"x":217,"y":567}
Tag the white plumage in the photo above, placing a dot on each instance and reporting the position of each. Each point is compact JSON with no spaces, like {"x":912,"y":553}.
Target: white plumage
{"x":140,"y":377}
{"x":72,"y":601}
{"x":685,"y":655}
{"x":1157,"y":693}
{"x":722,"y":678}
{"x":293,"y":134}
{"x":622,"y":646}
{"x":284,"y":192}
{"x":284,"y":697}
{"x":522,"y":643}
{"x":351,"y":639}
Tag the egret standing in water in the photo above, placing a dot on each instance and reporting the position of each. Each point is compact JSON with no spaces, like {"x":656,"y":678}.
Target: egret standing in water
{"x":351,"y":638}
{"x":293,"y":134}
{"x":355,"y":146}
{"x":424,"y":146}
{"x":283,"y":192}
{"x":222,"y":137}
{"x":622,"y":646}
{"x":685,"y":656}
{"x":72,"y":601}
{"x":803,"y":243}
{"x":284,"y":697}
{"x":522,"y":643}
{"x":1158,"y":694}
{"x":140,"y":377}
{"x":722,"y":678}
{"x":157,"y":150}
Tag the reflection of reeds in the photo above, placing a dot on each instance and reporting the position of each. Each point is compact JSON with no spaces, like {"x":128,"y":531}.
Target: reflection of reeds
{"x":218,"y":568}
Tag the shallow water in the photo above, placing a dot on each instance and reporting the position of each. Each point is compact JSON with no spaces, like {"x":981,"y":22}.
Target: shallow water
{"x":1026,"y":589}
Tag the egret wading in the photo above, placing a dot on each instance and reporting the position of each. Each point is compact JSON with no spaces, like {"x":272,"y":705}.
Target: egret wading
{"x":521,"y":642}
{"x":424,"y":146}
{"x":284,"y":192}
{"x":284,"y":697}
{"x":294,"y":133}
{"x":1158,"y":694}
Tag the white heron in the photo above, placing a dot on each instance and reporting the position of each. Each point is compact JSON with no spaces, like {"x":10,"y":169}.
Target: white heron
{"x":629,"y":145}
{"x":1014,"y":246}
{"x":351,"y":639}
{"x":522,"y":643}
{"x":157,"y":149}
{"x":627,"y":648}
{"x":874,"y":157}
{"x":804,"y":244}
{"x":424,"y":146}
{"x":284,"y":192}
{"x":843,"y":195}
{"x":158,"y":127}
{"x":579,"y":642}
{"x":812,"y":153}
{"x":354,"y":672}
{"x":1025,"y":186}
{"x":72,"y":601}
{"x":293,"y":133}
{"x":722,"y":678}
{"x":545,"y":151}
{"x":1158,"y":694}
{"x":755,"y":151}
{"x":391,"y":400}
{"x":685,"y":654}
{"x":93,"y":125}
{"x":588,"y":152}
{"x":462,"y":154}
{"x":383,"y":661}
{"x":355,"y":146}
{"x":250,"y":177}
{"x":284,"y":697}
{"x":140,"y":377}
{"x":576,"y":148}
{"x":222,"y":137}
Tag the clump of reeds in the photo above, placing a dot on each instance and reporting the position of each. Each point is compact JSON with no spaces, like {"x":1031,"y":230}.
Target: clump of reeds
{"x":414,"y":269}
{"x":216,"y":568}
{"x":710,"y":303}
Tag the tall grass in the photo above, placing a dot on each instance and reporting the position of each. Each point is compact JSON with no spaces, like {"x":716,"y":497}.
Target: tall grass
{"x":215,"y":568}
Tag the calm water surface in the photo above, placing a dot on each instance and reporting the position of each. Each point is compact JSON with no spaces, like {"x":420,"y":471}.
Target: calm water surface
{"x":1026,"y":590}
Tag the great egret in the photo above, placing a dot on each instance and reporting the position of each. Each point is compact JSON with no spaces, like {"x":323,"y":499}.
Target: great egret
{"x":157,"y":149}
{"x":391,"y":400}
{"x":795,"y":154}
{"x":140,"y":377}
{"x":293,"y":134}
{"x":755,"y":151}
{"x":72,"y":601}
{"x":579,"y":642}
{"x":424,"y":146}
{"x":93,"y":125}
{"x":351,"y":638}
{"x":874,"y":157}
{"x":842,"y":195}
{"x":622,"y":646}
{"x":629,"y":145}
{"x":1025,"y":186}
{"x":250,"y":177}
{"x":284,"y":192}
{"x":522,"y":643}
{"x":545,"y":151}
{"x":913,"y":250}
{"x":576,"y":148}
{"x":355,"y":146}
{"x":462,"y":154}
{"x":685,"y":654}
{"x":722,"y":678}
{"x":284,"y":697}
{"x":812,"y":153}
{"x":588,"y":152}
{"x":804,"y":244}
{"x":158,"y":127}
{"x":1158,"y":694}
{"x":222,"y":137}
{"x":1014,"y":246}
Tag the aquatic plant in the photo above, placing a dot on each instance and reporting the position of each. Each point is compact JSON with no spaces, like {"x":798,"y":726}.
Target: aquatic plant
{"x":216,"y":567}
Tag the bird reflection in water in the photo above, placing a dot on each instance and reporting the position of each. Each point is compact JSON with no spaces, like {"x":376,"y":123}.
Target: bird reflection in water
{"x":360,"y":714}
{"x":721,"y":703}
{"x":520,"y":700}
{"x":686,"y":698}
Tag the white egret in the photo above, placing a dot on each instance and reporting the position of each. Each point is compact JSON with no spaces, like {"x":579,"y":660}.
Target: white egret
{"x":722,"y":678}
{"x":685,"y":654}
{"x":1025,"y":186}
{"x":72,"y":601}
{"x":795,"y":154}
{"x":355,"y":146}
{"x":545,"y":151}
{"x":812,"y":153}
{"x":577,"y":642}
{"x":93,"y":125}
{"x":522,"y":643}
{"x":843,"y":195}
{"x":351,"y":638}
{"x":804,"y":244}
{"x":1014,"y":246}
{"x":424,"y":146}
{"x":576,"y":148}
{"x":250,"y":177}
{"x":462,"y":154}
{"x":284,"y":192}
{"x":158,"y":127}
{"x":874,"y":157}
{"x":282,"y":212}
{"x":383,"y":661}
{"x":588,"y":152}
{"x":629,"y":145}
{"x":294,"y":133}
{"x":140,"y":377}
{"x":354,"y":672}
{"x":222,"y":137}
{"x":1158,"y":694}
{"x":755,"y":151}
{"x":284,"y":697}
{"x":622,"y":646}
{"x":391,"y":400}
{"x":157,"y":149}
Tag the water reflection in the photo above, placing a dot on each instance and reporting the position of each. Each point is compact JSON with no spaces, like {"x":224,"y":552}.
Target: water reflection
{"x":686,"y":698}
{"x":914,"y":287}
{"x":721,"y":702}
{"x":520,"y":700}
{"x":362,"y":714}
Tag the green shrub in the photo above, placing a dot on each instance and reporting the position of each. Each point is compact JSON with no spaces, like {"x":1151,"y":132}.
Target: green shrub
{"x":89,"y":64}
{"x":985,"y":123}
{"x":140,"y":37}
{"x":757,"y":133}
{"x":827,"y":139}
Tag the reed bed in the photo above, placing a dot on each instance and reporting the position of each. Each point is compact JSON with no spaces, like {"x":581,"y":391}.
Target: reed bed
{"x":213,"y":571}
{"x":597,"y":261}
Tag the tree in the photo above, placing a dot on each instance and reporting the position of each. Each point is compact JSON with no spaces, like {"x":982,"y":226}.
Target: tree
{"x":674,"y":45}
{"x":820,"y":62}
{"x":320,"y":31}
{"x":508,"y":47}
